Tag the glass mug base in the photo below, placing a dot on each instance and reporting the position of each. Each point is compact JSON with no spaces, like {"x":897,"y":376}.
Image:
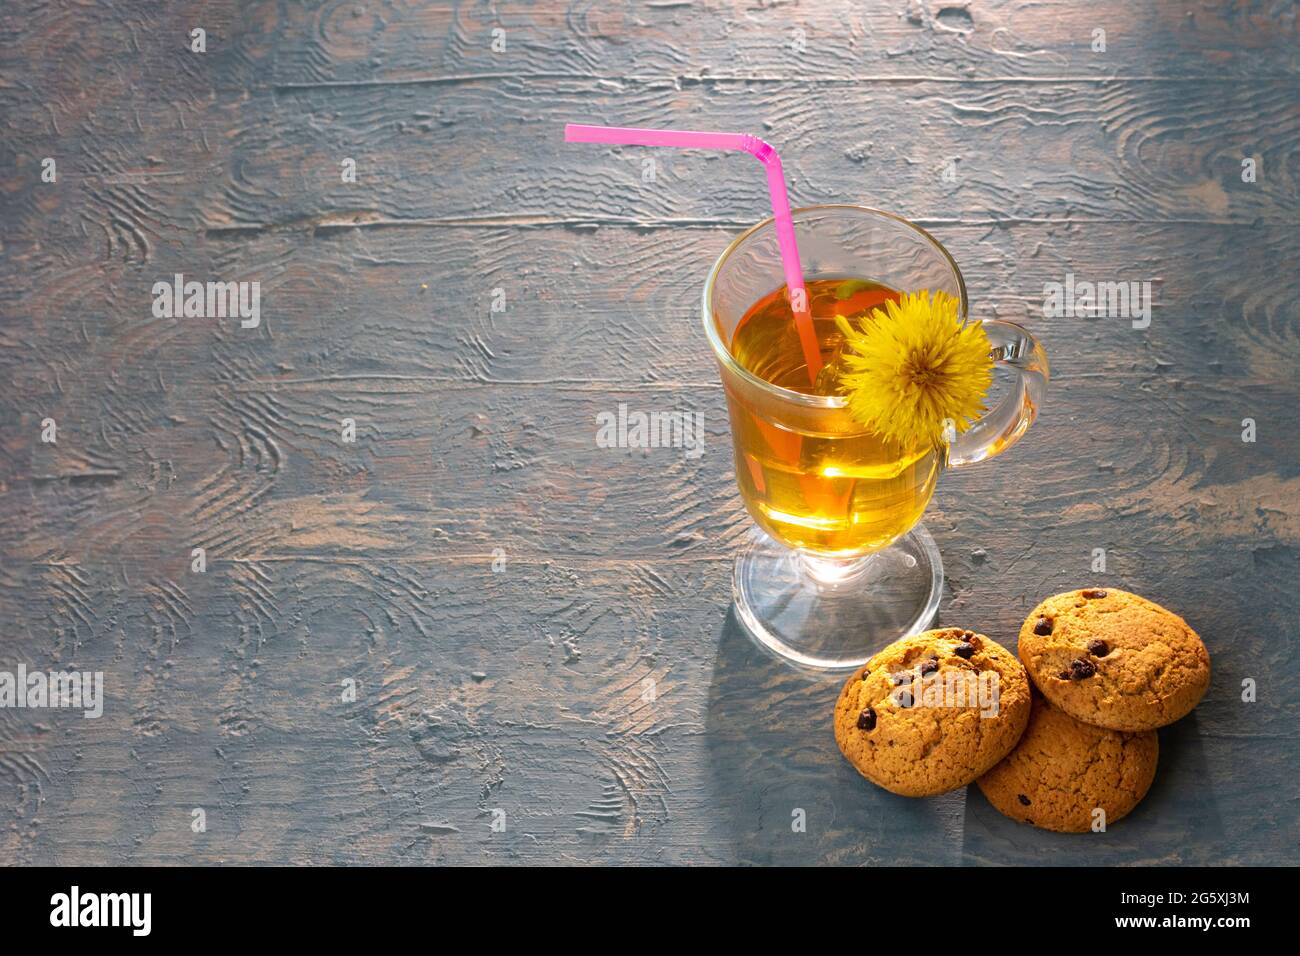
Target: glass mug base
{"x":833,"y":615}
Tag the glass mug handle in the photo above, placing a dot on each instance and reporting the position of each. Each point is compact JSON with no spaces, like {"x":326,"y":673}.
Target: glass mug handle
{"x":1014,"y":348}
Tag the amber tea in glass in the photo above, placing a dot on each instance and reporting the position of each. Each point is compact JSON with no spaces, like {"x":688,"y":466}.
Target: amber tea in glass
{"x":832,"y":491}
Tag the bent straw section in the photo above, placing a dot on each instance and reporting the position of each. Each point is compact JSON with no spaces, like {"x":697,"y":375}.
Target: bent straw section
{"x":765,"y":154}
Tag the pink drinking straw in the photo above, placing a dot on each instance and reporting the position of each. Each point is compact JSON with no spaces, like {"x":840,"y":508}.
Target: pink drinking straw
{"x":765,"y":154}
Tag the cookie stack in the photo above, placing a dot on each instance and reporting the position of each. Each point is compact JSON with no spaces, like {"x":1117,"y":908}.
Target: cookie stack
{"x":1108,"y":668}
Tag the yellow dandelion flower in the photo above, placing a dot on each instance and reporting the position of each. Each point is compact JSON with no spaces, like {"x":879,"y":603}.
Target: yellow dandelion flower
{"x":913,"y":365}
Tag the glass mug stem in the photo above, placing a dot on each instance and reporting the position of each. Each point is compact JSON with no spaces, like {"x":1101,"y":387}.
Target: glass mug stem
{"x":830,"y":573}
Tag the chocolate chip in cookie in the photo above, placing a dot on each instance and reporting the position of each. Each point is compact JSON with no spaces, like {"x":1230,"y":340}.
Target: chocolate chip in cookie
{"x":1094,"y":593}
{"x":867,"y":719}
{"x":964,"y":650}
{"x":929,"y":667}
{"x":1081,"y":669}
{"x":1098,"y":647}
{"x":1043,"y":627}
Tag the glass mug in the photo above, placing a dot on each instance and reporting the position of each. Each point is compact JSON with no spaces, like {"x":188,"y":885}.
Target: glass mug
{"x":838,"y":565}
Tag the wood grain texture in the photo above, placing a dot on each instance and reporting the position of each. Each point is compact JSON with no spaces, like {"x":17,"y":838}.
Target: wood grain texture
{"x":526,"y":690}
